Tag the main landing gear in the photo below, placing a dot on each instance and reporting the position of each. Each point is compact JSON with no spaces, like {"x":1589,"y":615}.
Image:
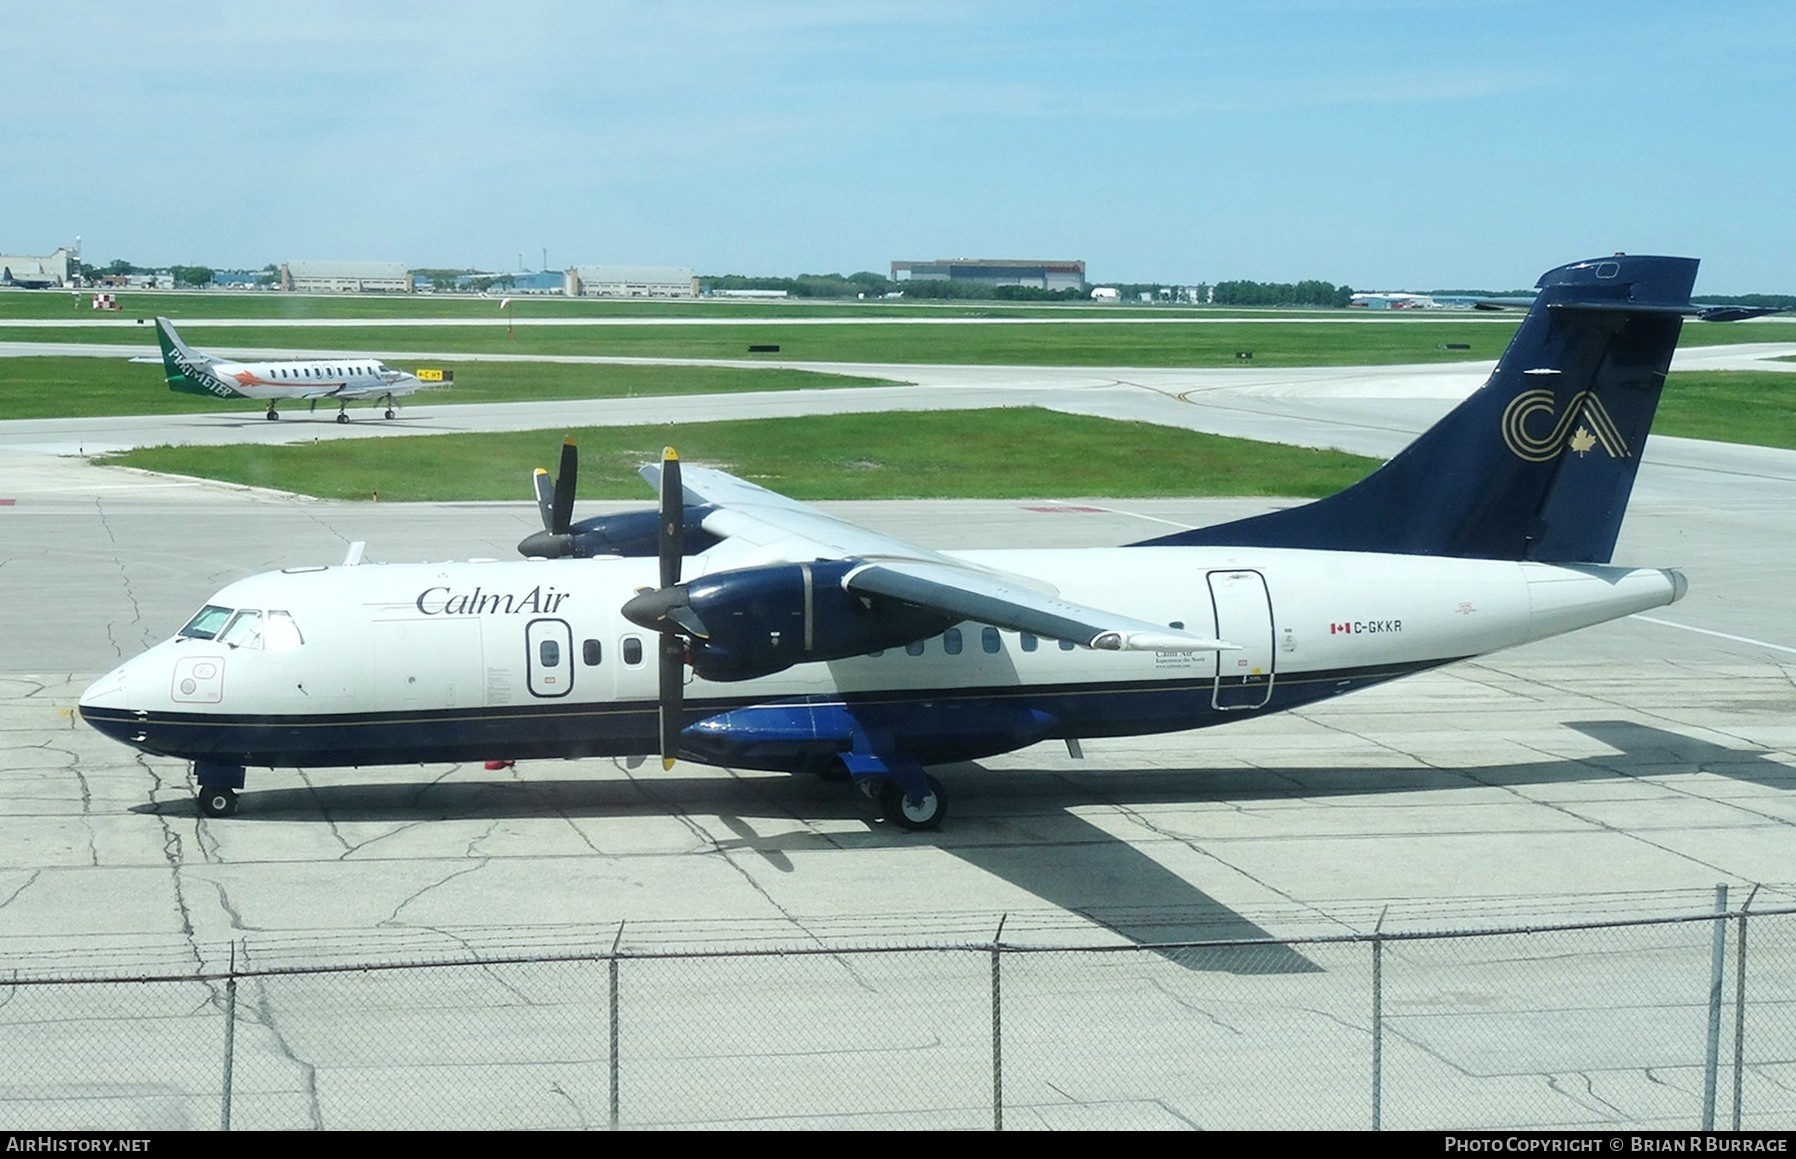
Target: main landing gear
{"x":908,"y":809}
{"x":908,"y":797}
{"x":272,"y":413}
{"x":218,"y":786}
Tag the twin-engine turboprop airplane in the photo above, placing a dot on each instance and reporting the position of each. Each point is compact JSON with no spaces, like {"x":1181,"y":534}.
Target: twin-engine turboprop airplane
{"x":796,"y":641}
{"x":342,"y":379}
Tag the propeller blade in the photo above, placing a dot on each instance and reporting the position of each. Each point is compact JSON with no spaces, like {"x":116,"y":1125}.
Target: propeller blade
{"x":562,"y":513}
{"x":672,"y":550}
{"x":673,"y":681}
{"x":673,"y":518}
{"x":545,"y":496}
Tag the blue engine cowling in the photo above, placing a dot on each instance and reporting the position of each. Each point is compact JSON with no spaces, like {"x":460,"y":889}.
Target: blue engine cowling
{"x":763,"y":620}
{"x":809,"y":734}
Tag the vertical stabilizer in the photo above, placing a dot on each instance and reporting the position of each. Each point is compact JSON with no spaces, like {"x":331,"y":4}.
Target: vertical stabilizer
{"x":186,"y":369}
{"x":1539,"y":462}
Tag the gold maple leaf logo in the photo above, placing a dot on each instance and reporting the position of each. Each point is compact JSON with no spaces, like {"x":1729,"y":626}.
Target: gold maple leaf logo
{"x":1582,"y":441}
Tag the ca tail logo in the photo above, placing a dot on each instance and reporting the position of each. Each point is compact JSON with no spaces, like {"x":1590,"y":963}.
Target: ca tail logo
{"x":1584,"y":426}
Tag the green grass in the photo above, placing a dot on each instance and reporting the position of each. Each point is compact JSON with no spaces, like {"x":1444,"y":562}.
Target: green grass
{"x":1174,"y":344}
{"x":1754,"y":407}
{"x":1003,"y":453}
{"x":51,"y":387}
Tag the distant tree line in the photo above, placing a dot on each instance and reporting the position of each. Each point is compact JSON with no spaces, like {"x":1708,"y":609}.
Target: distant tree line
{"x":878,"y":285}
{"x":1306,"y":293}
{"x":1238,"y":293}
{"x":806,"y":285}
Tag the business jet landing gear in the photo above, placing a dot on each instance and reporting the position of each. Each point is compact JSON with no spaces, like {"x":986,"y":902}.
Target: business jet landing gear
{"x":218,"y":787}
{"x":272,"y":413}
{"x":392,"y":411}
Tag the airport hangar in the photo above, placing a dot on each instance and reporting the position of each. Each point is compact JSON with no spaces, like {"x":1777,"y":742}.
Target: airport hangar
{"x":1035,"y":274}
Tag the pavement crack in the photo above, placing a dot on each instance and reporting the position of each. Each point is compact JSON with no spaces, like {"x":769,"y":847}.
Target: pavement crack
{"x":392,"y":918}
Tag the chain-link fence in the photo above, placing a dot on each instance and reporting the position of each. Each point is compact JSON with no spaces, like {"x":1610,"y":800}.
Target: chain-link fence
{"x":1665,"y":1023}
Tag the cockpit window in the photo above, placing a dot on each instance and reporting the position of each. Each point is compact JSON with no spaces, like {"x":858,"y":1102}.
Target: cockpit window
{"x":206,"y":622}
{"x":281,"y":632}
{"x":244,"y":630}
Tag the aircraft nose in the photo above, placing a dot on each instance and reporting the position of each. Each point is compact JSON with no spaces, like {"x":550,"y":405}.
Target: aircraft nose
{"x":108,"y":692}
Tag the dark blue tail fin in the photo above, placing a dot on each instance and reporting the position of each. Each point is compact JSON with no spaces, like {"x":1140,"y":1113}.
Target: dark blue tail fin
{"x":1537,"y":463}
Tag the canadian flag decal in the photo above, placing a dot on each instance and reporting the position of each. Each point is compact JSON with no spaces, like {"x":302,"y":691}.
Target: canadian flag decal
{"x":1337,"y":629}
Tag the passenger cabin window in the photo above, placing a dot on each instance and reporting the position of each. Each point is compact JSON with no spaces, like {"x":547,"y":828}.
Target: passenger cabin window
{"x":914,"y":648}
{"x":951,"y":642}
{"x":206,"y":622}
{"x":1067,"y":645}
{"x":632,"y":650}
{"x":589,"y":653}
{"x":1029,"y":641}
{"x":988,"y":639}
{"x":549,"y":652}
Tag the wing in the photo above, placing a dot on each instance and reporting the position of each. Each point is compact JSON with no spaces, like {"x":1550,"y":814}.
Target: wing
{"x":759,"y":526}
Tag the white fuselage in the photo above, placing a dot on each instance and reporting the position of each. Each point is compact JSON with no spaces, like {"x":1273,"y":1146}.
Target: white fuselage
{"x":502,"y":654}
{"x":349,"y":377}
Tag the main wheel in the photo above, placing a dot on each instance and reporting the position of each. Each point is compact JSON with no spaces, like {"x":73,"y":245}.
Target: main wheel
{"x":926,"y":813}
{"x":272,"y":415}
{"x":389,"y":412}
{"x":341,"y":417}
{"x":216,"y":801}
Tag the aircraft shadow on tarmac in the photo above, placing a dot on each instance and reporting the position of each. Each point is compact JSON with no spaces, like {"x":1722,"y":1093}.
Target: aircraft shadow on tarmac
{"x":1007,"y":818}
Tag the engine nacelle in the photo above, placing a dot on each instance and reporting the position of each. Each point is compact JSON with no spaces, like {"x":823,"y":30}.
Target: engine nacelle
{"x":762,"y":620}
{"x":626,"y":533}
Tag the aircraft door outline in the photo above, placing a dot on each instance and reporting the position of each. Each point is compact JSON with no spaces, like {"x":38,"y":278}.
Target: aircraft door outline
{"x":1243,"y":616}
{"x":549,"y":658}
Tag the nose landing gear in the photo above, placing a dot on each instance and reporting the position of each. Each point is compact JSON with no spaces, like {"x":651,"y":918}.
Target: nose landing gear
{"x":218,"y":785}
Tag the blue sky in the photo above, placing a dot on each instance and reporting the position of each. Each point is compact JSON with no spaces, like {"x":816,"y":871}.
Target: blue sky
{"x":1388,"y":144}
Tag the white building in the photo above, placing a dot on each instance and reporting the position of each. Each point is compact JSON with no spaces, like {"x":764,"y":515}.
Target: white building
{"x":629,"y":282}
{"x":346,"y":277}
{"x":50,"y":271}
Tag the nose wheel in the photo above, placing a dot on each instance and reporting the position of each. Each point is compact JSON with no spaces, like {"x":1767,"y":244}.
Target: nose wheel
{"x":218,"y":786}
